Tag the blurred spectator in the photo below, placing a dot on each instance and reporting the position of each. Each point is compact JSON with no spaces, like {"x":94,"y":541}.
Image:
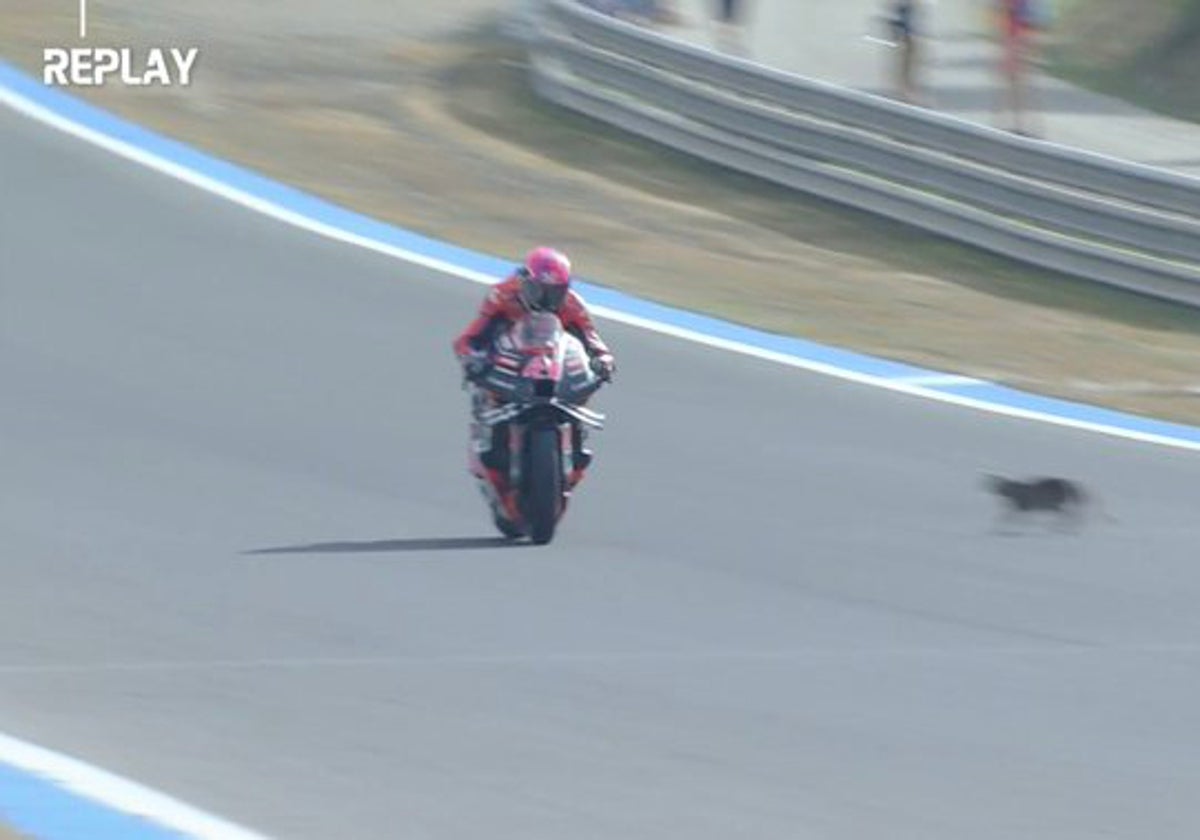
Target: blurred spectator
{"x":729,"y":18}
{"x":903,"y":20}
{"x":1019,"y":23}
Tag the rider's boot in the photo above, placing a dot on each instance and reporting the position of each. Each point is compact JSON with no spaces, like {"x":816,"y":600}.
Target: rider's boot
{"x":490,"y":443}
{"x":499,"y":495}
{"x":574,"y":478}
{"x":581,"y":457}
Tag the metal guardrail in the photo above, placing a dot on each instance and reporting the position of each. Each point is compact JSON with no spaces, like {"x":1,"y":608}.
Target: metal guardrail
{"x":1103,"y":219}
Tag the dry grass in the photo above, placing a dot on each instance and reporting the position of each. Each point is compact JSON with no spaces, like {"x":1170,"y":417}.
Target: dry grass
{"x":444,"y":137}
{"x":1109,"y":33}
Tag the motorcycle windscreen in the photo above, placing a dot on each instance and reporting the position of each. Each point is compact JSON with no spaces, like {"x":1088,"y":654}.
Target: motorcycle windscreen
{"x":540,"y":329}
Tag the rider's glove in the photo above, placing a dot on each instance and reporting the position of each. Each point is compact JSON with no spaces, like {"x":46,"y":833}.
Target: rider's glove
{"x":604,"y":366}
{"x":475,"y":365}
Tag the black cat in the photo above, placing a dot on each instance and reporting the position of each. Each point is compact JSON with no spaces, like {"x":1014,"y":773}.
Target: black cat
{"x":1063,"y":497}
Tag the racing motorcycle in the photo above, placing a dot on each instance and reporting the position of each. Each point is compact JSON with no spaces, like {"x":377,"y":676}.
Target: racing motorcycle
{"x":529,"y":424}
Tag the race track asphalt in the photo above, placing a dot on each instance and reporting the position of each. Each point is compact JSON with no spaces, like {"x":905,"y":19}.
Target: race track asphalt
{"x":242,"y":562}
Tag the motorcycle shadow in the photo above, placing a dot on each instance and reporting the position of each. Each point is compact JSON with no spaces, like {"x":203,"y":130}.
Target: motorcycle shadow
{"x":390,"y":546}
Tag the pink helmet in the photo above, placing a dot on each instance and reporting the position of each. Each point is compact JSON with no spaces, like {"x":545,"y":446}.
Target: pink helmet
{"x":545,"y":279}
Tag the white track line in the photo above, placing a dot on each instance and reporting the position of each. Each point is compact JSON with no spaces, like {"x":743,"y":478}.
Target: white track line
{"x":123,"y":795}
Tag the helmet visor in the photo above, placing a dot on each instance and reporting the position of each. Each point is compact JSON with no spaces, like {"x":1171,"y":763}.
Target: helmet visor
{"x":543,"y":295}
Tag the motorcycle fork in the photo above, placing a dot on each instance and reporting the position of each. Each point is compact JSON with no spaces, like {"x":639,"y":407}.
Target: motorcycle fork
{"x":572,"y":446}
{"x":515,"y":455}
{"x":566,"y":446}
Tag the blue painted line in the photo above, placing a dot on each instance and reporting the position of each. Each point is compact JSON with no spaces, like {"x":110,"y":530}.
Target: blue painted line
{"x":1012,"y":398}
{"x":716,"y":328}
{"x":38,"y":808}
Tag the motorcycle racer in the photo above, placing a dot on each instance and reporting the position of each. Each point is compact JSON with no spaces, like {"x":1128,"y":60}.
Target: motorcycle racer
{"x":541,"y":284}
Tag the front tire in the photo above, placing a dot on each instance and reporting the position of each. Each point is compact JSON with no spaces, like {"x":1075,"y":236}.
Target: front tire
{"x":543,"y":484}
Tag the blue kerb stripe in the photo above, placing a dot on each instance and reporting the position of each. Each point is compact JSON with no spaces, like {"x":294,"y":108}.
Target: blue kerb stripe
{"x":320,"y":210}
{"x":38,"y":808}
{"x":884,"y":369}
{"x":1012,"y":398}
{"x":716,"y":328}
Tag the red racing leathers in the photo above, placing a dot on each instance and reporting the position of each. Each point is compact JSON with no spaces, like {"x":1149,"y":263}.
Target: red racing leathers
{"x":503,"y":306}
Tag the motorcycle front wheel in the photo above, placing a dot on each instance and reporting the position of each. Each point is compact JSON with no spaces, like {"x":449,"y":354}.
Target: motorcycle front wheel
{"x":543,"y":484}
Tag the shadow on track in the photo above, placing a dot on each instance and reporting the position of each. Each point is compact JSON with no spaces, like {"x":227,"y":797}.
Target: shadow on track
{"x":386,"y":546}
